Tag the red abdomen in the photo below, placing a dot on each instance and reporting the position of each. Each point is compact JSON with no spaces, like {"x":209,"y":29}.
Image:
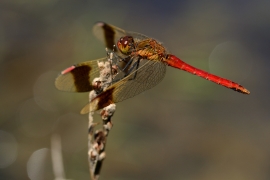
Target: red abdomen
{"x":175,"y":62}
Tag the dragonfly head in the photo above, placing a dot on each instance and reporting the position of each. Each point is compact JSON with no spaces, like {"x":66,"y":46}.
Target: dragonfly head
{"x":126,"y":45}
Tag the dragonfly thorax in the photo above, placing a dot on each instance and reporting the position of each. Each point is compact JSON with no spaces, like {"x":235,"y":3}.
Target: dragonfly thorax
{"x":151,"y":49}
{"x":147,"y":48}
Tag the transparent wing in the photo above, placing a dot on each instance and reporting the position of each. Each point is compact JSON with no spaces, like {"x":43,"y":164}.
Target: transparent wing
{"x":148,"y":75}
{"x":79,"y":77}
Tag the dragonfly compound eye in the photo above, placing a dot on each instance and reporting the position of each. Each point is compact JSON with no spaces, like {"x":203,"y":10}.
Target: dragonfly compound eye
{"x":125,"y":44}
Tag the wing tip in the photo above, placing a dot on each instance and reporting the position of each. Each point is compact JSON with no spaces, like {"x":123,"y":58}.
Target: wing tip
{"x":100,"y":23}
{"x":91,"y":107}
{"x":84,"y":111}
{"x":67,"y":70}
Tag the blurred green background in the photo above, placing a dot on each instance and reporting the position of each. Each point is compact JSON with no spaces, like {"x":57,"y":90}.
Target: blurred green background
{"x":184,"y":128}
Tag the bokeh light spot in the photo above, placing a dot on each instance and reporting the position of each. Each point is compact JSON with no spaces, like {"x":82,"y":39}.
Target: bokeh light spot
{"x":231,"y":60}
{"x":34,"y":121}
{"x":8,"y":149}
{"x":39,"y":165}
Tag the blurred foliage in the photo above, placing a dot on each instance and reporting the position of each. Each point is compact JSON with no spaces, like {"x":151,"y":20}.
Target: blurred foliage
{"x":187,"y":128}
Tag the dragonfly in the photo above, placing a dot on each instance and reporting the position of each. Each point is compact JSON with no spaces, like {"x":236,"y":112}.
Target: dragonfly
{"x":141,"y":64}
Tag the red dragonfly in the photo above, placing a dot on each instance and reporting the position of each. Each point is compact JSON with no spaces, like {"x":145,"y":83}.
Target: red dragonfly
{"x":141,"y":62}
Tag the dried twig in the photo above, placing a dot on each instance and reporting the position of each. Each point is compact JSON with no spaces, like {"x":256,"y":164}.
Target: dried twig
{"x":97,"y":139}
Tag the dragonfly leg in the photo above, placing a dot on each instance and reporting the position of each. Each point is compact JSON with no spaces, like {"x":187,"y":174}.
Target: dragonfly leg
{"x":126,"y":60}
{"x":135,"y":65}
{"x":130,"y":60}
{"x":113,"y":59}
